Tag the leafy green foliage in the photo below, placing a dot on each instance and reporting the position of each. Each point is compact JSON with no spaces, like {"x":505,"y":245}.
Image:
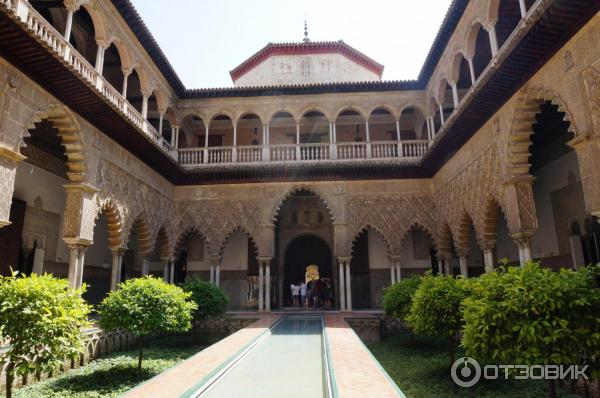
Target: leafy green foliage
{"x":397,"y":298}
{"x":210,"y":299}
{"x":147,"y":306}
{"x":419,"y":366}
{"x":532,"y":315}
{"x":435,"y":310}
{"x":115,"y":374}
{"x":42,"y":318}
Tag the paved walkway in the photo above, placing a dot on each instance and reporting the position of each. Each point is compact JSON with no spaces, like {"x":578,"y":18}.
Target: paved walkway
{"x":177,"y":380}
{"x":356,"y":372}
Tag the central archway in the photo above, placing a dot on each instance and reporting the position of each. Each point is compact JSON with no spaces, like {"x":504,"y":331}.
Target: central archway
{"x":303,"y":251}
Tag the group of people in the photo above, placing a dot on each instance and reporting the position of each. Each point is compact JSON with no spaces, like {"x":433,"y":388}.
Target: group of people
{"x":314,"y":294}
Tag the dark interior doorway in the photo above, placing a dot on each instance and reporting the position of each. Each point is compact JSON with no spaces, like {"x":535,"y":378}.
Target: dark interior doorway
{"x":303,"y":251}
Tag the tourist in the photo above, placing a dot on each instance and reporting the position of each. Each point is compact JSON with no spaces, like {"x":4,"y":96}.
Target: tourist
{"x":295,"y":289}
{"x":303,"y":294}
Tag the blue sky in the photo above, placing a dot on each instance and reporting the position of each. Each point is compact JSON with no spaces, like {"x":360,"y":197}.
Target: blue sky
{"x":205,"y":39}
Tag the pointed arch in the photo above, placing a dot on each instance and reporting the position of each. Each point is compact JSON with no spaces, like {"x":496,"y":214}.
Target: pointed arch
{"x":162,"y":246}
{"x":521,"y":129}
{"x":144,"y":238}
{"x":69,"y":130}
{"x":298,"y":189}
{"x":114,"y":222}
{"x":186,"y":234}
{"x":419,"y":226}
{"x":463,"y":231}
{"x":370,"y":227}
{"x":233,"y":231}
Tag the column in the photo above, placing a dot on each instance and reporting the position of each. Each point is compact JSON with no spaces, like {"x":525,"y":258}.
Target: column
{"x":145,"y":266}
{"x":399,"y":139}
{"x":463,"y":266}
{"x":73,"y":265}
{"x":267,"y":285}
{"x":260,"y":286}
{"x":145,"y":106}
{"x":205,"y":160}
{"x":429,"y":134}
{"x":126,"y":74}
{"x":348,"y":287}
{"x":471,"y":70}
{"x":160,"y":123}
{"x":166,"y":270}
{"x":100,"y":56}
{"x":218,"y":274}
{"x":266,"y":151}
{"x":114,"y":272}
{"x":392,"y":272}
{"x":523,"y":8}
{"x":298,"y":155}
{"x":369,"y":154}
{"x":212,"y":273}
{"x":441,"y":114}
{"x":524,"y":244}
{"x":398,"y":273}
{"x":448,"y":267}
{"x":38,"y":261}
{"x":440,"y":266}
{"x":80,"y":265}
{"x":69,"y":25}
{"x":332,"y":143}
{"x":234,"y":150}
{"x":454,"y":94}
{"x":491,"y":29}
{"x":342,"y":286}
{"x":172,"y":273}
{"x":488,"y":258}
{"x":432,"y":124}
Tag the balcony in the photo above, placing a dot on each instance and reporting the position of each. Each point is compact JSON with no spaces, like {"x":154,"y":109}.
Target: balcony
{"x":45,"y":33}
{"x":407,"y":151}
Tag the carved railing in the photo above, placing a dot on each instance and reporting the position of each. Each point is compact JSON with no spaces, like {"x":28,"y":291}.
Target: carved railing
{"x":249,"y":154}
{"x":296,"y":153}
{"x":384,"y":149}
{"x":351,"y":150}
{"x":413,"y":149}
{"x":56,"y":43}
{"x":283,"y":152}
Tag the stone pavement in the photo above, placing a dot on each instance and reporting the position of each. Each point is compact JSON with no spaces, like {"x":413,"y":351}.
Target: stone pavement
{"x":356,"y":372}
{"x":177,"y":380}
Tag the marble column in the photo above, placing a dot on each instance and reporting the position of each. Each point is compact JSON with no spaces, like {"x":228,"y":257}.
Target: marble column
{"x":392,"y":273}
{"x":267,"y":264}
{"x":398,"y":272}
{"x":145,"y":265}
{"x":76,"y":264}
{"x":260,"y":287}
{"x":342,"y":286}
{"x":38,"y":261}
{"x":114,"y":271}
{"x":488,"y":257}
{"x":471,"y":71}
{"x":463,"y":266}
{"x":348,"y":287}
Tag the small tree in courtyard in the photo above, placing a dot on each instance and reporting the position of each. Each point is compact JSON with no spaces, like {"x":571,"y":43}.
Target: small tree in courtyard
{"x":533,"y":316}
{"x":435,"y":309}
{"x":397,"y":298}
{"x":209,"y":298}
{"x":41,"y":318}
{"x":147,"y":306}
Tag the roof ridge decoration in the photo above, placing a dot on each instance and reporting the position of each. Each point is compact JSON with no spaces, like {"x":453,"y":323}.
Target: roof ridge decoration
{"x":141,"y":31}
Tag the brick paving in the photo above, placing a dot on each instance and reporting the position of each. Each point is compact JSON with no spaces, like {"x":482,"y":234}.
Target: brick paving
{"x":177,"y":380}
{"x":356,"y":373}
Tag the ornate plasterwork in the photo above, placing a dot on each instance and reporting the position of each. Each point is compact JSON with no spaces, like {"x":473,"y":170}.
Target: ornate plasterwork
{"x":392,"y":216}
{"x":134,"y":200}
{"x":591,"y":82}
{"x":468,"y":193}
{"x":216,"y":219}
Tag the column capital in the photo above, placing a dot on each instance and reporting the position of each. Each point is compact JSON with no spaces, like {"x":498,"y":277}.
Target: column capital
{"x":77,"y":243}
{"x":118,"y":250}
{"x":214,"y":259}
{"x":395,"y":258}
{"x":344,"y":260}
{"x":264,"y":259}
{"x":87,"y":188}
{"x":522,"y":239}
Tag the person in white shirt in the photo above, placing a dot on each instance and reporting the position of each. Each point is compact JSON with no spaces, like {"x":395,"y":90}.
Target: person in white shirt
{"x":303,"y":294}
{"x":295,"y":289}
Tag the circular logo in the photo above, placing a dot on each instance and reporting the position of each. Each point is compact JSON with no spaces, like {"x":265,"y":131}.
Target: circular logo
{"x":465,"y":372}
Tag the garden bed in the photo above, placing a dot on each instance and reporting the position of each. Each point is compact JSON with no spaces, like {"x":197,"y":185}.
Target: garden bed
{"x":115,"y":373}
{"x":420,"y":367}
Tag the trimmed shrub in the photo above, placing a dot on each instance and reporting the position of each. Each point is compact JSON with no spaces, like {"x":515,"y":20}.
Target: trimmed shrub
{"x":435,"y":309}
{"x":532,"y":315}
{"x":397,"y":298}
{"x":147,"y":306}
{"x":42,"y":318}
{"x":209,"y":298}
